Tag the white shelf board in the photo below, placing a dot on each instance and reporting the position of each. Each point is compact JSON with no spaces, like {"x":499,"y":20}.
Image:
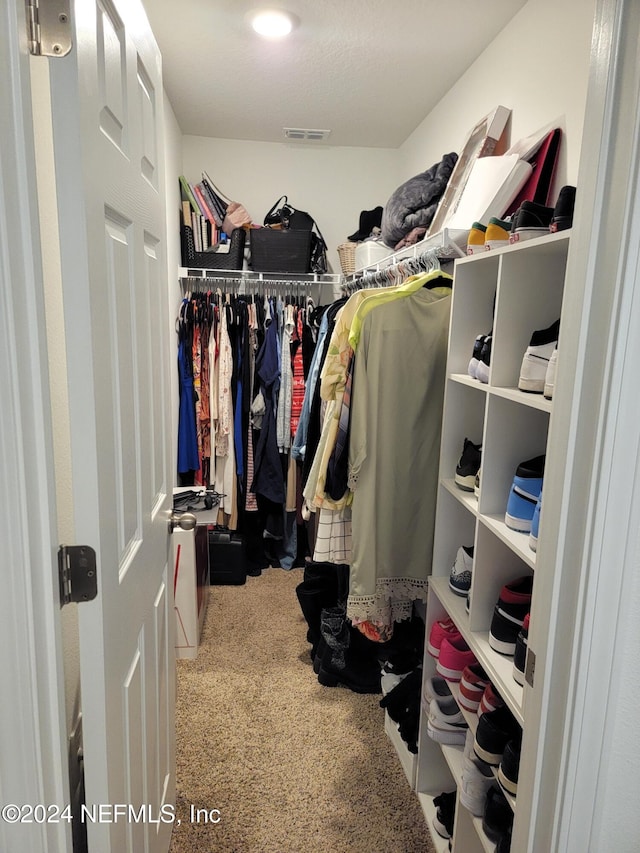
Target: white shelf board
{"x":440,"y":844}
{"x":453,"y":756}
{"x":486,"y":842}
{"x":469,"y":381}
{"x":547,"y":243}
{"x":518,"y":542}
{"x":533,"y":401}
{"x":407,"y":759}
{"x":467,"y":499}
{"x":498,"y":667}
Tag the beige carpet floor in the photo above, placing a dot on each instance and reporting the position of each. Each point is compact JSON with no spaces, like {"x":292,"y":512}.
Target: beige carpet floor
{"x":291,"y":766}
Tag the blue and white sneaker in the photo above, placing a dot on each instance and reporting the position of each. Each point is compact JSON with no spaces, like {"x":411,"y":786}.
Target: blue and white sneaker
{"x":461,"y":571}
{"x":524,"y":494}
{"x":535,"y":524}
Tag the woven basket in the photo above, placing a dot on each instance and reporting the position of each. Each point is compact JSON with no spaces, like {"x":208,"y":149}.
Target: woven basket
{"x":347,"y":255}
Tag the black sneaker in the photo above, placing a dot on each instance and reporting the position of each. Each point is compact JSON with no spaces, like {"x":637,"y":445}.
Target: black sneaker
{"x":510,"y":765}
{"x":445,"y":813}
{"x":495,"y":730}
{"x":520,"y":654}
{"x":482,"y":370}
{"x":498,"y":817}
{"x":563,"y":212}
{"x":509,"y":614}
{"x":476,"y":356}
{"x":468,"y":465}
{"x":531,"y":220}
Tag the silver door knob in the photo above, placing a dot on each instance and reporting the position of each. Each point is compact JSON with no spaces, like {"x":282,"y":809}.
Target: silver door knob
{"x":183,"y":520}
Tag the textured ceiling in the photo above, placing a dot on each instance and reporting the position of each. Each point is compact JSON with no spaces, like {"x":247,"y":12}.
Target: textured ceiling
{"x":368,"y":70}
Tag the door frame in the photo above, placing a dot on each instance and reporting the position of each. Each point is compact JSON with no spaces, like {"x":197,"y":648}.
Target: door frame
{"x":33,"y":735}
{"x":587,"y":556}
{"x":32,"y":738}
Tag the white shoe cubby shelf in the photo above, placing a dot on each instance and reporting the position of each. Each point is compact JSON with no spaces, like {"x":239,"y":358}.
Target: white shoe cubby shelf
{"x":512,"y":292}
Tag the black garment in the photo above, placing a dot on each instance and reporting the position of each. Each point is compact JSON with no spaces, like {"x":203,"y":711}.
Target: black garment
{"x":268,"y":479}
{"x":315,"y":426}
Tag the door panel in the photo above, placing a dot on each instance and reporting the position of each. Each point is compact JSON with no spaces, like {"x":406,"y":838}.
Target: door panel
{"x":108,"y":145}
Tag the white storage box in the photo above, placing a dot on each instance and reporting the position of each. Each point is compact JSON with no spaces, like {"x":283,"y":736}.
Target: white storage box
{"x":370,"y":252}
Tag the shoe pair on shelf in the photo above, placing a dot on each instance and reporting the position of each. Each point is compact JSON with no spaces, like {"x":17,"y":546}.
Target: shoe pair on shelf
{"x":529,"y":221}
{"x":509,"y":613}
{"x":468,"y":466}
{"x":481,"y":358}
{"x":538,"y":367}
{"x":451,"y":651}
{"x":539,"y":363}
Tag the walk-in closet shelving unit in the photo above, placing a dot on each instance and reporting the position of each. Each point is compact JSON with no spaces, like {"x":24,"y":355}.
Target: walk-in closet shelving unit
{"x":525,"y":282}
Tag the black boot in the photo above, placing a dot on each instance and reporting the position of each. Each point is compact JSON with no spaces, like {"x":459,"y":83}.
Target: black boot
{"x":342,"y":663}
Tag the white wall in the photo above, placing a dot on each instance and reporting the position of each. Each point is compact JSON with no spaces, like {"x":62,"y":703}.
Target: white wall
{"x":333,"y":184}
{"x":537,"y":66}
{"x":173,"y":166}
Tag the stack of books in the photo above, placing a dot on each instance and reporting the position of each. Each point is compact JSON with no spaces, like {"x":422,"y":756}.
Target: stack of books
{"x":203,"y":211}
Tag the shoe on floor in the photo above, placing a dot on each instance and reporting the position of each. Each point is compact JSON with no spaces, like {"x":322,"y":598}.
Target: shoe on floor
{"x":523,"y":496}
{"x":535,"y":363}
{"x":531,"y":220}
{"x":509,"y":613}
{"x":497,"y":819}
{"x":550,"y":376}
{"x":475,"y":240}
{"x":445,"y":804}
{"x":495,"y":730}
{"x":468,"y":465}
{"x":520,"y":654}
{"x":454,"y":656}
{"x":462,"y":570}
{"x":563,"y":212}
{"x":497,"y":234}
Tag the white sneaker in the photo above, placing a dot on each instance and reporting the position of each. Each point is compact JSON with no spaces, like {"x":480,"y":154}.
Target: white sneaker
{"x":446,"y":723}
{"x":550,"y":377}
{"x":462,"y":570}
{"x":477,"y":778}
{"x":536,"y":359}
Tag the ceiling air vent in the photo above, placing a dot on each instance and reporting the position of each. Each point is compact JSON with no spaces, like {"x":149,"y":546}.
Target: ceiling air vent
{"x":304,"y":134}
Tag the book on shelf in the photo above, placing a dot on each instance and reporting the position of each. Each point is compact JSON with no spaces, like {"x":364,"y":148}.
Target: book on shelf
{"x":203,"y":203}
{"x":186,"y":193}
{"x":217,"y":203}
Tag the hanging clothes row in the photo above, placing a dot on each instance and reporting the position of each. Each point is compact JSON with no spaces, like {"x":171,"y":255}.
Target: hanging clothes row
{"x":243,"y":359}
{"x":373,"y":476}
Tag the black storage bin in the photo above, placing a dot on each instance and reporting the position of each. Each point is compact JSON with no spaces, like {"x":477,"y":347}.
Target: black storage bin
{"x":280,"y":250}
{"x":231,"y":260}
{"x":227,"y":558}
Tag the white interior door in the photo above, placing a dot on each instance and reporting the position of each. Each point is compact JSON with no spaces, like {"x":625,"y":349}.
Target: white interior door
{"x":107,"y":127}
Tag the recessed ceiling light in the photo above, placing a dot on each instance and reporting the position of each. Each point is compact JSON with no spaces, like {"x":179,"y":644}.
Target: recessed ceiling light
{"x":272,"y":23}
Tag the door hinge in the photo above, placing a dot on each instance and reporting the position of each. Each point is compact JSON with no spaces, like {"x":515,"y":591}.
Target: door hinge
{"x":49,"y":27}
{"x":77,"y":572}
